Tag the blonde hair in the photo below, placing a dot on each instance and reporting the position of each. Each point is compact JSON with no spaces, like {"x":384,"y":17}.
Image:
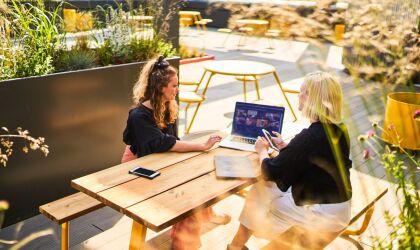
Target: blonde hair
{"x":154,"y":76}
{"x":324,"y":98}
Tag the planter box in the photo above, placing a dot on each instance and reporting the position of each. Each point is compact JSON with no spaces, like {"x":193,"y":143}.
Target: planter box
{"x":196,"y":59}
{"x":82,"y":115}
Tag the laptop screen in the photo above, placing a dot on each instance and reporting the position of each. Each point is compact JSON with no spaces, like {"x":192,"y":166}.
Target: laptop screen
{"x":249,"y":119}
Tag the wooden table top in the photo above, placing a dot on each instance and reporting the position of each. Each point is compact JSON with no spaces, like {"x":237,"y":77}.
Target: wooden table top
{"x":239,"y":67}
{"x":187,"y":182}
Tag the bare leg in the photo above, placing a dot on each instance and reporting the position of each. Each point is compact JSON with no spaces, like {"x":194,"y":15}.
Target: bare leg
{"x":241,"y":237}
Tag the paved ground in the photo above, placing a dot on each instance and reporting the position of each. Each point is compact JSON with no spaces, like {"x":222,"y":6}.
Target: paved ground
{"x":292,"y":61}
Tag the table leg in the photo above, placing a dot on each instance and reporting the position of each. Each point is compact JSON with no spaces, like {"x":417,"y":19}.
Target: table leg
{"x":207,"y":84}
{"x":138,"y":236}
{"x":257,"y":87}
{"x":244,"y":82}
{"x":65,"y":235}
{"x":284,"y":94}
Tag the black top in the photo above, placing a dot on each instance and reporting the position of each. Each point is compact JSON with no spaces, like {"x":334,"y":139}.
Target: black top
{"x":143,"y":134}
{"x":308,"y":165}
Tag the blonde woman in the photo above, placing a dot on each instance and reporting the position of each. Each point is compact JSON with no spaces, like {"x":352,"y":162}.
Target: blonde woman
{"x":151,"y":128}
{"x":308,"y":183}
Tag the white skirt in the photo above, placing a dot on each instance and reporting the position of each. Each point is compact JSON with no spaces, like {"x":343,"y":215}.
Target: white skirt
{"x":269,"y":212}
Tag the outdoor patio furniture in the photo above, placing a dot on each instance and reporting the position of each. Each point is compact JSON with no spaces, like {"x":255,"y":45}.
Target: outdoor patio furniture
{"x":187,"y":183}
{"x":225,"y":30}
{"x":367,"y":190}
{"x":270,"y":35}
{"x":246,"y":79}
{"x":195,"y":18}
{"x":244,"y":68}
{"x":190,"y":97}
{"x":64,"y":210}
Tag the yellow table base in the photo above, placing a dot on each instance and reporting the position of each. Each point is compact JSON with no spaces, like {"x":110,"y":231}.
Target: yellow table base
{"x":138,"y":236}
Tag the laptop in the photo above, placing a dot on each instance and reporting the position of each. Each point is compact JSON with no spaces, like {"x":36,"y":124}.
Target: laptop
{"x":248,"y":121}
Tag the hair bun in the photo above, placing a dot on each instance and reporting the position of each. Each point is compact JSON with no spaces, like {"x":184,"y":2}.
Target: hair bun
{"x":161,"y":63}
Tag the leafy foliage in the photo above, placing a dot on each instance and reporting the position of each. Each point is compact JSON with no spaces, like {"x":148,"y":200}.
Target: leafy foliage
{"x":401,"y":167}
{"x":35,"y":39}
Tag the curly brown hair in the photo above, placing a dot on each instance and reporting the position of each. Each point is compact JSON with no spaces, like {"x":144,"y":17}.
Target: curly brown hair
{"x":154,"y":76}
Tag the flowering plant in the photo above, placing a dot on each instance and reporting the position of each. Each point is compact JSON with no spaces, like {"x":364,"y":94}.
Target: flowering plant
{"x":401,"y":167}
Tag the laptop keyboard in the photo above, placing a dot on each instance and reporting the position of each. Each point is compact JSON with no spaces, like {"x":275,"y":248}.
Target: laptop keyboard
{"x":243,"y":140}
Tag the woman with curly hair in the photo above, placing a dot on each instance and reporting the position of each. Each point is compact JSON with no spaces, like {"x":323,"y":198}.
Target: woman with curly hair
{"x":151,"y":128}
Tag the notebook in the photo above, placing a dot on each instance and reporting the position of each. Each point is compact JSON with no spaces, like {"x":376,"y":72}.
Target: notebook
{"x":234,"y":167}
{"x":248,"y":121}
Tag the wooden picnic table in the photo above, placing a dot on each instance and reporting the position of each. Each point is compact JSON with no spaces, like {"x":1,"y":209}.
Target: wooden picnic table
{"x":187,"y":183}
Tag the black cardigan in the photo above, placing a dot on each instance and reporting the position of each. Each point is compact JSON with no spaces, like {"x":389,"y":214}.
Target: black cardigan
{"x":143,"y":134}
{"x":307,"y":164}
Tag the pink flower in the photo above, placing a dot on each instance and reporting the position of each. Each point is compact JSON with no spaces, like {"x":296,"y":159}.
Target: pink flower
{"x":417,"y":115}
{"x":371,"y":133}
{"x":366,"y":154}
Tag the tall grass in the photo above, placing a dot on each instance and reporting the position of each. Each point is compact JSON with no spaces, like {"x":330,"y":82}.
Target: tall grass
{"x":35,"y":38}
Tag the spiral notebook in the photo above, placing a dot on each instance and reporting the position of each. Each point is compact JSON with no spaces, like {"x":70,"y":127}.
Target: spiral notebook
{"x":234,"y":167}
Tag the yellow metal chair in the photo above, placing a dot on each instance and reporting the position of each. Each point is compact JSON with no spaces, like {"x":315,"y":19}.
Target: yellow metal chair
{"x":190,"y":97}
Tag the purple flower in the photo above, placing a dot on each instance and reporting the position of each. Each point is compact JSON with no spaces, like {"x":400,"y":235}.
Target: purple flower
{"x":417,"y":115}
{"x":366,"y":154}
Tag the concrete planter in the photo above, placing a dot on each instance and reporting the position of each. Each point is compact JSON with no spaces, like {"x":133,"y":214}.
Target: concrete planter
{"x":81,"y":114}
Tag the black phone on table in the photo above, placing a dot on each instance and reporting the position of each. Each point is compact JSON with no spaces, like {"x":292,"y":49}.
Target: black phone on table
{"x":144,"y":172}
{"x":270,"y":139}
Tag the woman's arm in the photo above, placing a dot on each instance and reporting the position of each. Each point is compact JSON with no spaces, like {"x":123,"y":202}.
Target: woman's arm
{"x":186,"y":146}
{"x":261,"y":146}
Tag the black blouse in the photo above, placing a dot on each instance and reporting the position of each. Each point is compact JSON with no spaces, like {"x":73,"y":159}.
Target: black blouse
{"x":143,"y":134}
{"x":308,"y":165}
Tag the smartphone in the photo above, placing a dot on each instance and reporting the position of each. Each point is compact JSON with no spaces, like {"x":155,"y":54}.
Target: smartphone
{"x":269,"y":139}
{"x":139,"y":171}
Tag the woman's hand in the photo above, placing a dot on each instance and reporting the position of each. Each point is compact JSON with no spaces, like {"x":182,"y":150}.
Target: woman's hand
{"x":278,"y":140}
{"x":261,"y":145}
{"x":211,"y":141}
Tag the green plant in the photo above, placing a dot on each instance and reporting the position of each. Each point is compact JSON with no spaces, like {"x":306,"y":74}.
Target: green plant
{"x":185,"y":52}
{"x":401,"y":167}
{"x":142,"y":49}
{"x":78,"y":57}
{"x":35,"y":38}
{"x":116,"y":35}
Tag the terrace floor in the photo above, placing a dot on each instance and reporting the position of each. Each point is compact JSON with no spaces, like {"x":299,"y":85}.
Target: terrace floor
{"x":108,"y":229}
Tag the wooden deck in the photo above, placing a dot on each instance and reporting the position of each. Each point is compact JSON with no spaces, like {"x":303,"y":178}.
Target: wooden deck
{"x":108,"y":229}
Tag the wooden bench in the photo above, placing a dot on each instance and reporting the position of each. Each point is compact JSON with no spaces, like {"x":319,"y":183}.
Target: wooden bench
{"x":65,"y":209}
{"x":366,"y":192}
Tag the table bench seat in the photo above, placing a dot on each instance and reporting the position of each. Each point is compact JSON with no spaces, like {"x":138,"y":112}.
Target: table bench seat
{"x":63,"y":210}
